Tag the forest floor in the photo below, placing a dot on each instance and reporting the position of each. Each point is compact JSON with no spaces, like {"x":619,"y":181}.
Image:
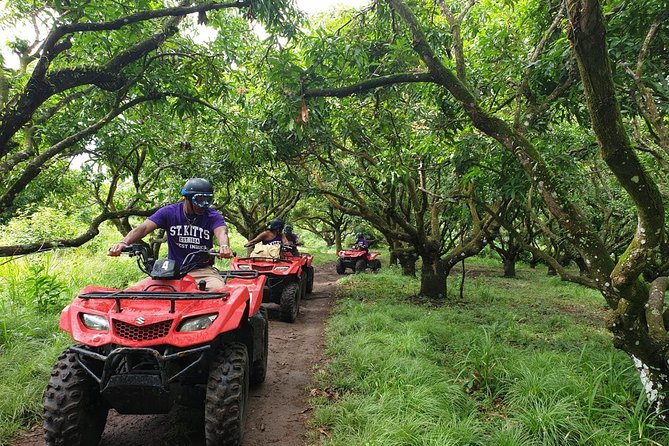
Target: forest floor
{"x":278,"y":408}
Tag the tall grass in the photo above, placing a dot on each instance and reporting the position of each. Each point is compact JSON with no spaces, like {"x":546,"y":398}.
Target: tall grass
{"x":33,"y":290}
{"x":523,"y":361}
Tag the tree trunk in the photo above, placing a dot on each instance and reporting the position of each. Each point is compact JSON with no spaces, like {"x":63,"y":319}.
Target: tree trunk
{"x":408,"y":263}
{"x":654,"y":380}
{"x":407,"y":257}
{"x":337,"y":237}
{"x":510,"y":264}
{"x":433,"y":278}
{"x":122,"y":225}
{"x":509,"y":259}
{"x":638,"y":326}
{"x":534,"y":261}
{"x":582,"y":266}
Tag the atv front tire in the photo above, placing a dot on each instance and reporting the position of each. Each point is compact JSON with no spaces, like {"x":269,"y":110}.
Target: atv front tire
{"x":310,"y":279}
{"x":290,"y":301}
{"x":341,"y":269}
{"x":226,"y":404}
{"x":74,"y":411}
{"x":360,"y":265}
{"x":375,"y":265}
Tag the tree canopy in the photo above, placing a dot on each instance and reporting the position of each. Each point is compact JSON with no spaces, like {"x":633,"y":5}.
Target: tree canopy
{"x":536,"y":127}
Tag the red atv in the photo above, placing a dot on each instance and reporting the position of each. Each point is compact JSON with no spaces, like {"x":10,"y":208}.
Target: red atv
{"x":358,"y":260}
{"x":289,"y":279}
{"x":162,"y":342}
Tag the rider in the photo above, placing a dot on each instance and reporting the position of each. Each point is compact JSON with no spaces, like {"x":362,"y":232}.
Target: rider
{"x":190,"y":226}
{"x":293,"y":239}
{"x":361,"y":242}
{"x":273,"y":235}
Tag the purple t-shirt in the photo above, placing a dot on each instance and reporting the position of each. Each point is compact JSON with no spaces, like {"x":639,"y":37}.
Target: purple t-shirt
{"x":275,"y":241}
{"x":293,"y":238}
{"x":186,"y":234}
{"x":362,"y":243}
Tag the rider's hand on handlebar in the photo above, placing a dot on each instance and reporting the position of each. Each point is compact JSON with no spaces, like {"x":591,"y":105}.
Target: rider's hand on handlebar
{"x":117,"y":248}
{"x":224,"y":252}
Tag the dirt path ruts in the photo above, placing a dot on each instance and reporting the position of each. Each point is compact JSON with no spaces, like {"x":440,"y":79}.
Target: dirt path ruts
{"x":278,"y":408}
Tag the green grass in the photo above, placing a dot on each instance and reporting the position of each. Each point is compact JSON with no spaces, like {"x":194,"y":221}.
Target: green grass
{"x":33,"y":290}
{"x":524,"y":361}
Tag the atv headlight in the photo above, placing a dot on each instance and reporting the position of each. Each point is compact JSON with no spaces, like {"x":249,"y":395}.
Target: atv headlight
{"x":197,"y":323}
{"x":282,"y":268}
{"x":94,"y":322}
{"x":244,"y":267}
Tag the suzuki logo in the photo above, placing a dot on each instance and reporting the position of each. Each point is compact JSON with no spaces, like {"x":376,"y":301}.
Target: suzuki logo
{"x":140,"y":320}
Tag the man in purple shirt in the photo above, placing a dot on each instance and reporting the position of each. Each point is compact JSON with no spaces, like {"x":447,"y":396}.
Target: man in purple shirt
{"x":361,"y":242}
{"x":190,"y":225}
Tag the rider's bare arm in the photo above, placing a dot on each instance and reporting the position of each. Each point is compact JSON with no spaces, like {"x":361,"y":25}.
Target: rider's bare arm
{"x":133,"y":236}
{"x":259,"y":237}
{"x":221,"y":234}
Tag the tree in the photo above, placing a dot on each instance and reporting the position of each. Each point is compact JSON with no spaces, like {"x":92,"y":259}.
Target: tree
{"x":638,"y":308}
{"x":320,"y":218}
{"x":90,"y":84}
{"x":250,"y":202}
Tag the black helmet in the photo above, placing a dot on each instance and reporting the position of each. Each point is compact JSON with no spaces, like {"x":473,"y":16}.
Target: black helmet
{"x":197,"y":186}
{"x":199,"y":191}
{"x":275,"y":223}
{"x":359,"y":235}
{"x":288,"y":228}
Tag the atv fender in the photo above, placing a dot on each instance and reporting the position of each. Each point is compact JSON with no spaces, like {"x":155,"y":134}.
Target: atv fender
{"x":256,"y":288}
{"x":372,"y":255}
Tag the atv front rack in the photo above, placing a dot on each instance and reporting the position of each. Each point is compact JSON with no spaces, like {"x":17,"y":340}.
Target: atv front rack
{"x":152,"y":295}
{"x":235,"y":274}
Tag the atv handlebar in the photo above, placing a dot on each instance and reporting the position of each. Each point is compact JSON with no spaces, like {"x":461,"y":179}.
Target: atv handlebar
{"x":193,"y":260}
{"x":145,"y":260}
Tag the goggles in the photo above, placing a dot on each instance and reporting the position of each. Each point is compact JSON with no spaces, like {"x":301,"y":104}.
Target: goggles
{"x":202,"y":200}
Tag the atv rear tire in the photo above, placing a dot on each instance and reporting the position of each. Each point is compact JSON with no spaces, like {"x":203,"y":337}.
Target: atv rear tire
{"x":290,"y":301}
{"x":360,"y":265}
{"x":310,"y":279}
{"x":259,"y":367}
{"x":375,"y":265}
{"x":341,"y":269}
{"x":226,"y":404}
{"x":74,"y":411}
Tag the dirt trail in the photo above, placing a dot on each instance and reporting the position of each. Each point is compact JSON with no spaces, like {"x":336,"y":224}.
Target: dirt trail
{"x":278,"y":408}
